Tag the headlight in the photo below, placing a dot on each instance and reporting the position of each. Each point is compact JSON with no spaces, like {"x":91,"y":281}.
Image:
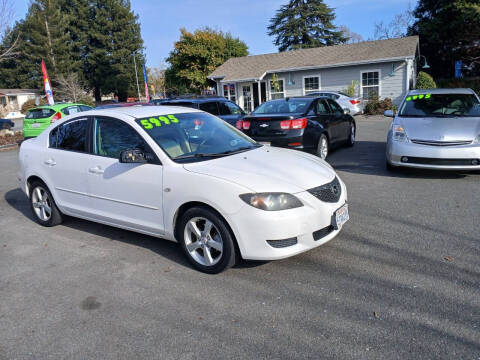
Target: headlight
{"x":271,"y":201}
{"x":398,"y":133}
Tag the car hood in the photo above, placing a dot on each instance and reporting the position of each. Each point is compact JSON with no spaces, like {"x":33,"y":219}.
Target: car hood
{"x":442,"y":129}
{"x":268,"y":169}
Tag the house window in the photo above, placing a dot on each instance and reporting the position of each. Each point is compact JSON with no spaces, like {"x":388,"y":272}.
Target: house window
{"x":311,"y":84}
{"x":277,"y":92}
{"x":229,"y":92}
{"x":371,"y":84}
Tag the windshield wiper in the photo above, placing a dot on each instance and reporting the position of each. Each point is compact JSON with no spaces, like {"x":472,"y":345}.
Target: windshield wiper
{"x":239,"y":150}
{"x":195,"y":156}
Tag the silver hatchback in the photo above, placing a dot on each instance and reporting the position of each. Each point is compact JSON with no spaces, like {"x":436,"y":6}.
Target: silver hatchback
{"x":436,"y":129}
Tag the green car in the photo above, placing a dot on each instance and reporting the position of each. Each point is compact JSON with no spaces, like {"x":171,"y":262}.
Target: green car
{"x":39,"y":118}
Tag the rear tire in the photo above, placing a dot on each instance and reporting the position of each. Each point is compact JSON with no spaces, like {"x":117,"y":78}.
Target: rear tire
{"x":43,"y":205}
{"x":206,"y":240}
{"x":323,"y":147}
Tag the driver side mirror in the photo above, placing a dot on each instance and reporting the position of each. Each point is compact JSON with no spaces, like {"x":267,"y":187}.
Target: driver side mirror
{"x":389,"y":113}
{"x":133,"y":156}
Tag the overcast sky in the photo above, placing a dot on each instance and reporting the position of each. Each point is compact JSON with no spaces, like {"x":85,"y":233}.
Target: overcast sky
{"x":246,"y":19}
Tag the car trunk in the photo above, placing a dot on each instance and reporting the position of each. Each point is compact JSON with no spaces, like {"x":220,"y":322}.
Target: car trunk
{"x":268,"y":125}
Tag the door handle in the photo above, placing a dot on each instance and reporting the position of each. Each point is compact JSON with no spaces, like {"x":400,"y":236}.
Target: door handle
{"x":96,"y":170}
{"x":50,"y":162}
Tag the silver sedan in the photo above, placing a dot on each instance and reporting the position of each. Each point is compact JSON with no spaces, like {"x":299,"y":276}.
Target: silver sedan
{"x":436,"y":129}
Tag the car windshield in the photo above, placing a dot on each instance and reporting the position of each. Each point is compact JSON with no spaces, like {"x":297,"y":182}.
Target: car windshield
{"x":440,"y":105}
{"x":196,"y":136}
{"x":283,"y":106}
{"x":39,"y":113}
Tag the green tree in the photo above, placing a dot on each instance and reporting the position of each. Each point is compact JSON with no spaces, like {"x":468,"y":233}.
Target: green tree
{"x":449,"y":31}
{"x":305,"y":24}
{"x":425,"y":81}
{"x":198,"y":54}
{"x":113,"y":38}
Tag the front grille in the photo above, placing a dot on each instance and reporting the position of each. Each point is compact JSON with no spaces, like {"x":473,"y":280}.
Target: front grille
{"x":330,"y":192}
{"x":441,"y":143}
{"x":320,"y":234}
{"x":282,"y":243}
{"x":440,"y":162}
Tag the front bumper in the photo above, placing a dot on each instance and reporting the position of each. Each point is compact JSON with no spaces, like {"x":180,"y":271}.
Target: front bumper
{"x":433,"y":157}
{"x":253,"y":227}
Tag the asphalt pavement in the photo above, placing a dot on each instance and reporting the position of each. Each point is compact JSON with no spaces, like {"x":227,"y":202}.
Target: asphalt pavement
{"x":401,"y":281}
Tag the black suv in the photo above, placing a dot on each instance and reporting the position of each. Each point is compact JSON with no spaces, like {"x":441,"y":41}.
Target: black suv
{"x":218,"y":106}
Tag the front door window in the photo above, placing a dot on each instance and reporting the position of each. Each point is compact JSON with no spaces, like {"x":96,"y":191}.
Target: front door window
{"x":247,"y":97}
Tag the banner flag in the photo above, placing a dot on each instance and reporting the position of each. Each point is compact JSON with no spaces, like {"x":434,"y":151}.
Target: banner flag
{"x":46,"y":83}
{"x":147,"y":95}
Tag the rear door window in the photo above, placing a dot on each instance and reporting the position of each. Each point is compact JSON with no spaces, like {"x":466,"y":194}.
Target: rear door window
{"x":210,"y":107}
{"x":72,"y":135}
{"x":322,"y":108}
{"x":234,"y":108}
{"x":39,"y":113}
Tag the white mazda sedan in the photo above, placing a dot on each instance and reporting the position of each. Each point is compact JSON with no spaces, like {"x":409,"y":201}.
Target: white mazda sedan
{"x":183,"y":175}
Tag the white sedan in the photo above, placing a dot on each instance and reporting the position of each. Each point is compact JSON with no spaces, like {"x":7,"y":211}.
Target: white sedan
{"x":183,"y":175}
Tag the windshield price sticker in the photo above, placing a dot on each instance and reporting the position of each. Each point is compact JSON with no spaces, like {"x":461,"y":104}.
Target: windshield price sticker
{"x":152,"y":122}
{"x":418,"y":97}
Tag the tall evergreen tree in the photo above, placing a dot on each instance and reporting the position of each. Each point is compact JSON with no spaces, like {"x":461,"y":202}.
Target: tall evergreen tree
{"x":112,"y":41}
{"x":305,"y":24}
{"x":449,"y":30}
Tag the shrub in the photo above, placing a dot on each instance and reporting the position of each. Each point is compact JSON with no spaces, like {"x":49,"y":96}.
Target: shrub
{"x":351,"y":89}
{"x":425,"y":81}
{"x":376,"y":106}
{"x":30,"y":104}
{"x":86,"y":100}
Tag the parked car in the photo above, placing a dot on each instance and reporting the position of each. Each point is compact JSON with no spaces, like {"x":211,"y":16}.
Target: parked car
{"x":308,"y":122}
{"x":353,"y":105}
{"x":436,"y":129}
{"x":39,"y":118}
{"x":6,"y":124}
{"x":219,"y":194}
{"x":218,"y":106}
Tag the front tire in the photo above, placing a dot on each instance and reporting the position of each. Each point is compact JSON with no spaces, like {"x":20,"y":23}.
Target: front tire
{"x":43,"y":205}
{"x":206,"y":240}
{"x":352,"y":136}
{"x":323,"y":147}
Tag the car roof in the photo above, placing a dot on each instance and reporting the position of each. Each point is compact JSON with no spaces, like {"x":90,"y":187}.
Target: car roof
{"x":138,"y":112}
{"x":196,"y":100}
{"x":56,"y":106}
{"x":442,"y":91}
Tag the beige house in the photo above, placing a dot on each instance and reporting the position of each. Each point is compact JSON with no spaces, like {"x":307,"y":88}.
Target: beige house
{"x":13,"y":99}
{"x":385,"y":68}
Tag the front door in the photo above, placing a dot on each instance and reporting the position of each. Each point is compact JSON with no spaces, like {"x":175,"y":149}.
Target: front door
{"x":66,"y":165}
{"x":128,"y":195}
{"x":247,"y":97}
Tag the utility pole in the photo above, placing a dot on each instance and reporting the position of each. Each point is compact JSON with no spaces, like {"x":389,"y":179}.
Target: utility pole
{"x":136,"y":76}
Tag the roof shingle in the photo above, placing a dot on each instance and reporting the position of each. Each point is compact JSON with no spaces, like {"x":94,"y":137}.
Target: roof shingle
{"x":254,"y":67}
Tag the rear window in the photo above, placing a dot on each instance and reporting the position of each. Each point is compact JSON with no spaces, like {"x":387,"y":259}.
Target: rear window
{"x":284,"y":106}
{"x":39,"y":113}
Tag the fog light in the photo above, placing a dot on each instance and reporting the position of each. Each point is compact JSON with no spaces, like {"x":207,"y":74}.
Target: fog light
{"x":404,"y":159}
{"x":475,"y":162}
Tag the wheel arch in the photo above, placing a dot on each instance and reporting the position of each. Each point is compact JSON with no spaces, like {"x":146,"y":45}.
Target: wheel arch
{"x":31,"y":179}
{"x":191,"y":204}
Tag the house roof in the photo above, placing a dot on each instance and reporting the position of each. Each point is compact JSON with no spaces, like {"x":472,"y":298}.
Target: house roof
{"x":11,"y":92}
{"x":256,"y":66}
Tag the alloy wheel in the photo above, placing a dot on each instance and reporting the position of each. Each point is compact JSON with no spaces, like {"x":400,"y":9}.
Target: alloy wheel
{"x":352,"y":134}
{"x":323,"y":148}
{"x":203,"y":241}
{"x":41,"y":203}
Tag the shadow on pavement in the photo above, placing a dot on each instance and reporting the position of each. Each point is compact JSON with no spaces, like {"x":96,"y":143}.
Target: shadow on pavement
{"x":368,"y":158}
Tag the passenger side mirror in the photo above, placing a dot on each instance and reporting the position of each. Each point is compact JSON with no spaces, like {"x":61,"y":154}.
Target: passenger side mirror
{"x":389,"y":113}
{"x":133,"y":156}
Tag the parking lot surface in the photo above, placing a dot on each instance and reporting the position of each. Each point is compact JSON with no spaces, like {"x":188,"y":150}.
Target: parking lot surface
{"x":401,"y":281}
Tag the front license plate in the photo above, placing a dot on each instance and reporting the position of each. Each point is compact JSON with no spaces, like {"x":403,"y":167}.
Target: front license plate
{"x":265,"y":143}
{"x":35,"y":125}
{"x":341,"y":216}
